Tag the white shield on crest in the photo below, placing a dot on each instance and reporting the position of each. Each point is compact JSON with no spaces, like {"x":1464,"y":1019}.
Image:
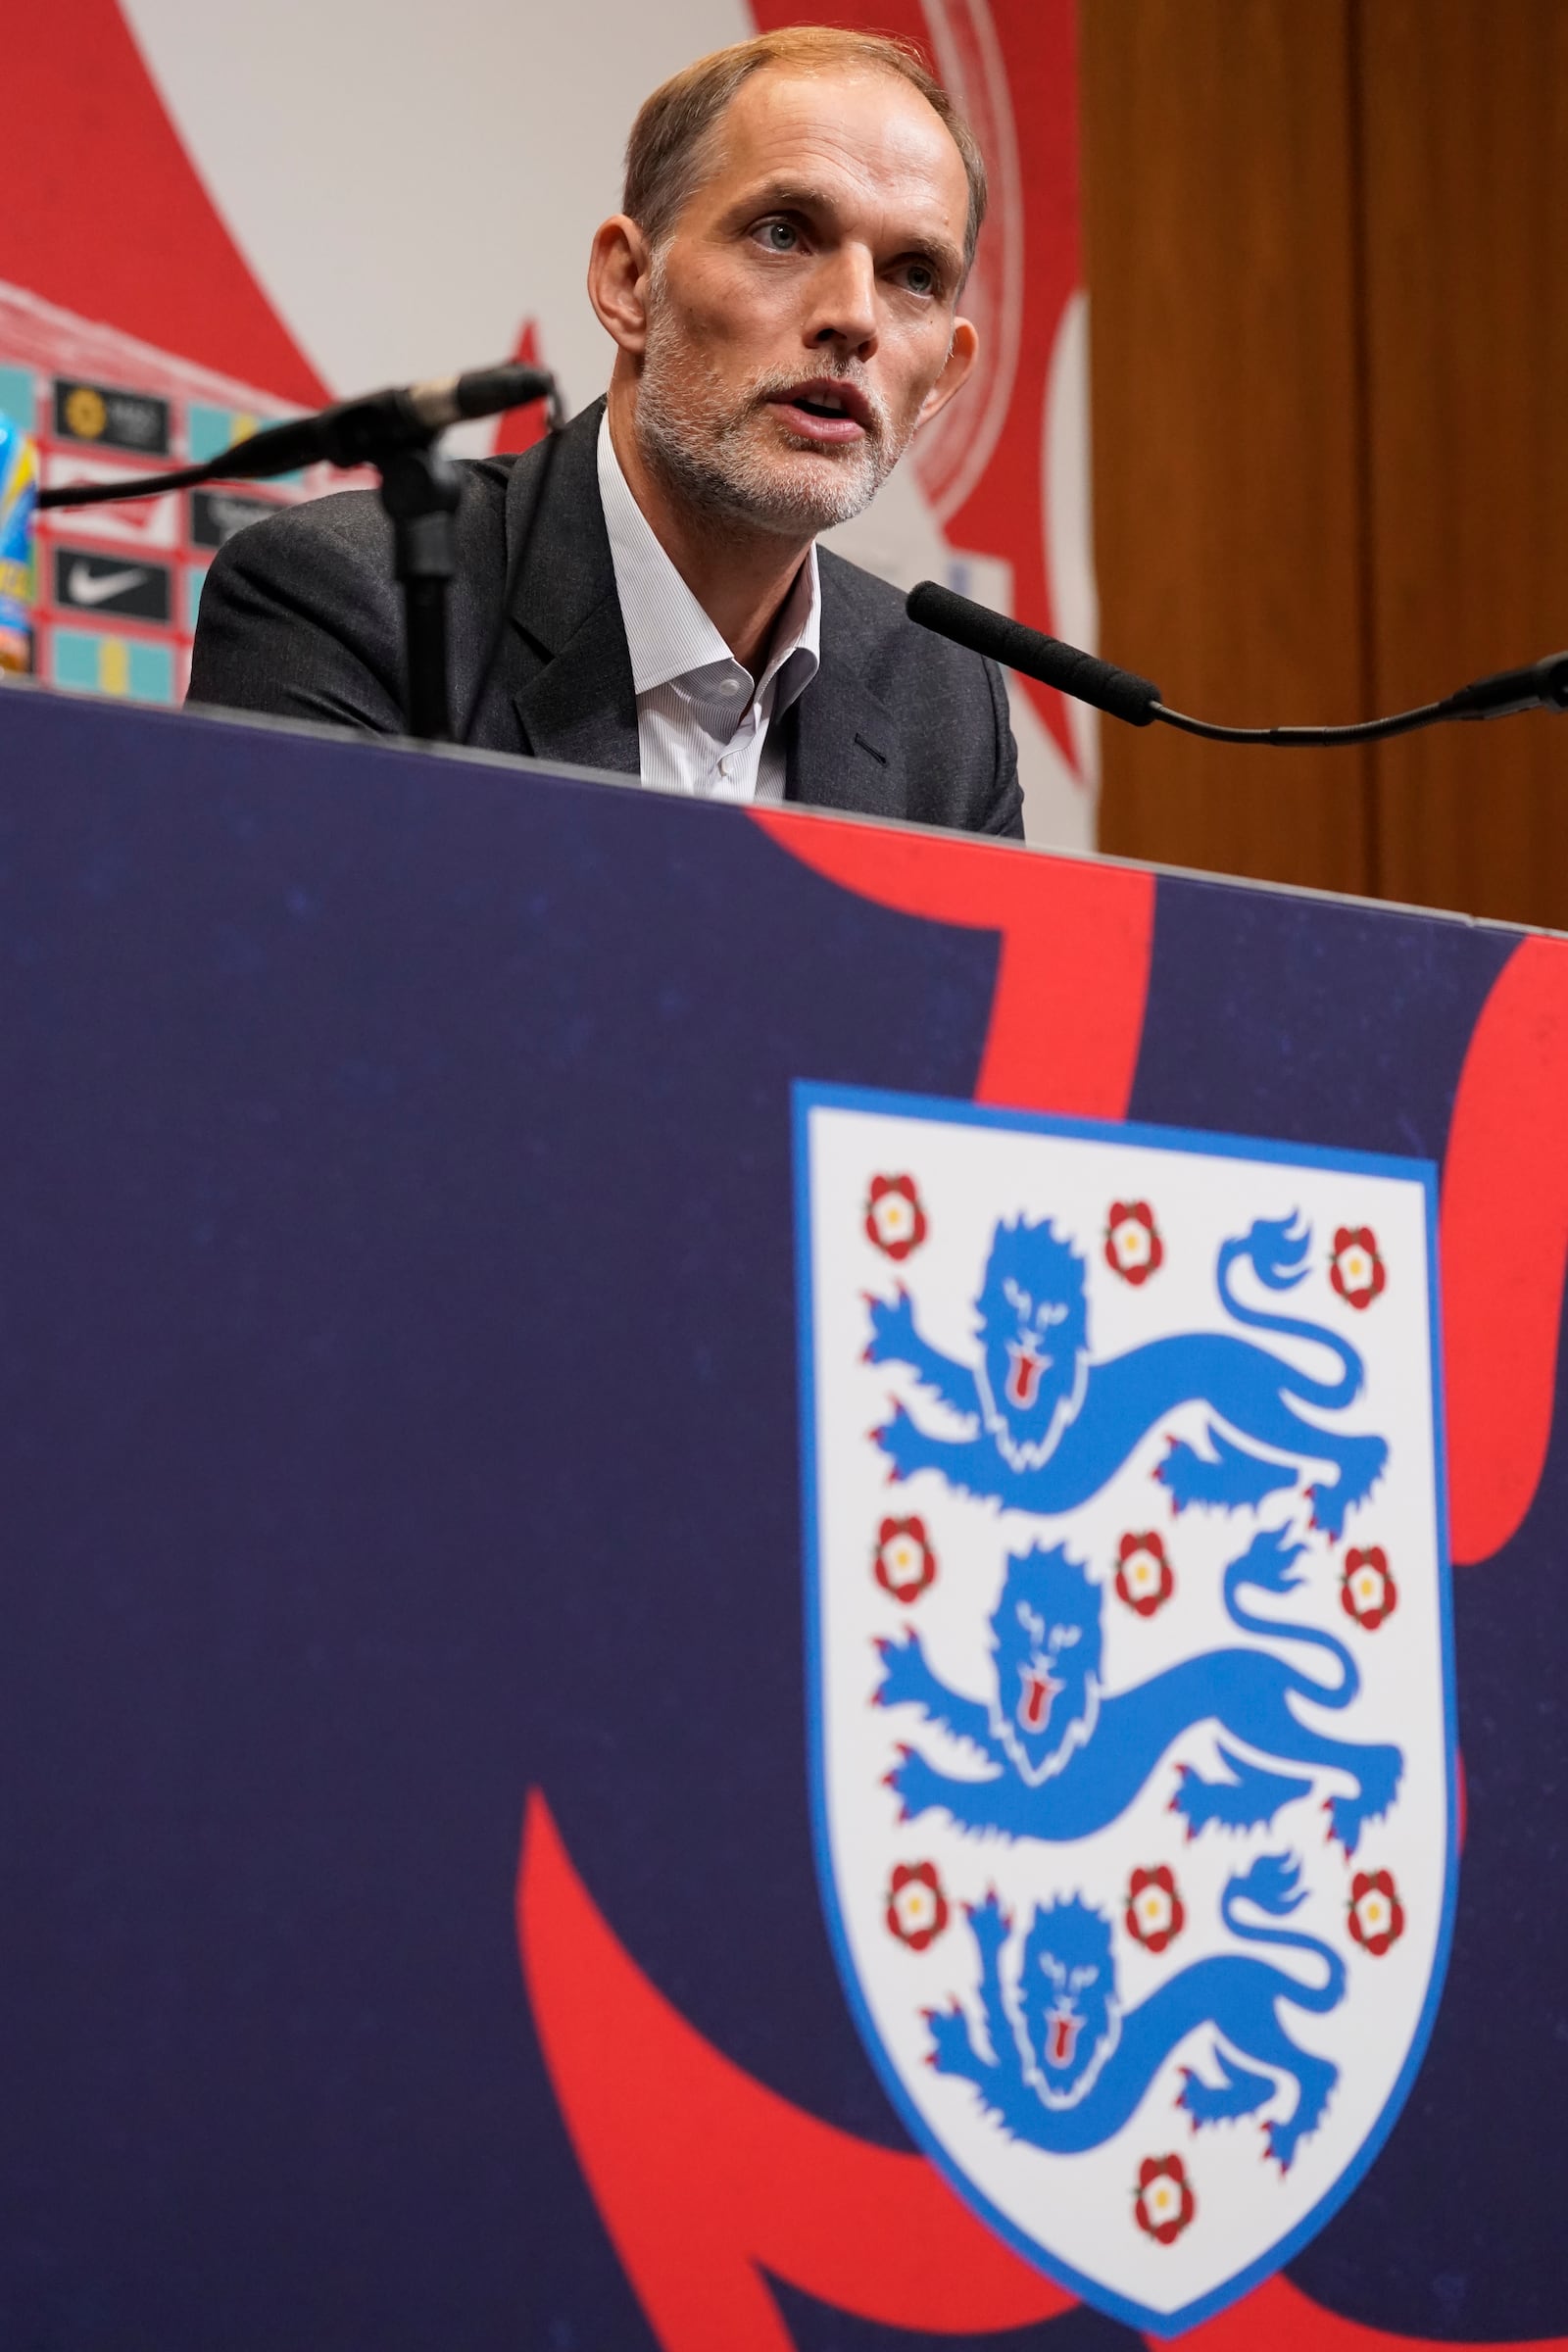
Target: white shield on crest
{"x":1130,"y":1668}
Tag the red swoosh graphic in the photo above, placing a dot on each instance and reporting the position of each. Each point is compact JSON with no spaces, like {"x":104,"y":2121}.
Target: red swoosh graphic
{"x":1076,"y":941}
{"x":705,"y":2179}
{"x":1505,"y":1233}
{"x":112,"y":219}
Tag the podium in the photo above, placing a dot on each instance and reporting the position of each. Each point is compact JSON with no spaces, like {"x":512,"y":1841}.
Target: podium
{"x":416,"y":1924}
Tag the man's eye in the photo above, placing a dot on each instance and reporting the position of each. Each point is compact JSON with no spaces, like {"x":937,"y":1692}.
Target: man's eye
{"x":779,"y":236}
{"x":919,"y":278}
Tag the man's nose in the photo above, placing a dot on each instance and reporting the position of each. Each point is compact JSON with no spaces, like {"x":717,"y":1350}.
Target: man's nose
{"x":843,"y":301}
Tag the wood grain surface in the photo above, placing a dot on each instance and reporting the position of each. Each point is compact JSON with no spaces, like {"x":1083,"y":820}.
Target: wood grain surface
{"x":1327,"y":251}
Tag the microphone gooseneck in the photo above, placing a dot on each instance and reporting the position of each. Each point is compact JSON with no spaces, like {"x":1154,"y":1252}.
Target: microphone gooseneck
{"x":1122,"y":694}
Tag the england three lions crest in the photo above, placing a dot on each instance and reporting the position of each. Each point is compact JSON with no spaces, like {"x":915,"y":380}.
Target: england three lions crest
{"x":1132,"y":1716}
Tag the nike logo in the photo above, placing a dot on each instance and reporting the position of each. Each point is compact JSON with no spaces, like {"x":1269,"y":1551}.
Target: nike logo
{"x":84,"y":587}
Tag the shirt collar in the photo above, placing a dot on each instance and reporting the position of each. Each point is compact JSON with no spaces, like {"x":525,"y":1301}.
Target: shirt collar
{"x":668,"y":636}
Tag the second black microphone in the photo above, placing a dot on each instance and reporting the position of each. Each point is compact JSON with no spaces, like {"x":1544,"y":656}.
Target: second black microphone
{"x":1120,"y":693}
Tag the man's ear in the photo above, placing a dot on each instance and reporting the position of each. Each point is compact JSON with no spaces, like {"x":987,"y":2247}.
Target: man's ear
{"x":619,"y":265}
{"x":962,"y":352}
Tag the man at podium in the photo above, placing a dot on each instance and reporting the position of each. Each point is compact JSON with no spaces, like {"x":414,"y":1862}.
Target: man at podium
{"x":781,"y":285}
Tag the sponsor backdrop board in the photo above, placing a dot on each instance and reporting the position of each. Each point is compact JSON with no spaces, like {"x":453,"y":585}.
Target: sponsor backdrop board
{"x":771,"y":1586}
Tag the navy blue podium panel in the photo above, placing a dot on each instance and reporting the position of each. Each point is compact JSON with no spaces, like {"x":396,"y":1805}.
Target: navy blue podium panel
{"x":428,"y":1227}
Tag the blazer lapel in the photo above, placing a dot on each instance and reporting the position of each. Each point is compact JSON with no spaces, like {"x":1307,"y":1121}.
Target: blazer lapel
{"x":845,"y":752}
{"x":581,"y":707}
{"x":575,"y":700}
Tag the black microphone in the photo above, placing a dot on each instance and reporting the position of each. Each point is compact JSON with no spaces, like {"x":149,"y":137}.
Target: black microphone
{"x":1119,"y":692}
{"x":1124,"y":694}
{"x":356,"y":432}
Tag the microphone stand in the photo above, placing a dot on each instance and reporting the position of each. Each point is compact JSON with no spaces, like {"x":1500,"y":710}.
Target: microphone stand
{"x":420,"y":490}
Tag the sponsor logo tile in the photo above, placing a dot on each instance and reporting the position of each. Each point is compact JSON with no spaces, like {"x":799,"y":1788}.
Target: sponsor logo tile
{"x":110,"y":417}
{"x":94,"y":582}
{"x":129,"y":668}
{"x":216,"y":515}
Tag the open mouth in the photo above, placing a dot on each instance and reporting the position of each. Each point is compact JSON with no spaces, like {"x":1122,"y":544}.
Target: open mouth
{"x":1040,"y":1687}
{"x":824,"y":410}
{"x":1065,"y":2027}
{"x":1024,"y":1368}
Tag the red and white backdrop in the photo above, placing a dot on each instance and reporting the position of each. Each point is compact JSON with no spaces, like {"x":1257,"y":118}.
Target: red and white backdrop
{"x":219,"y":215}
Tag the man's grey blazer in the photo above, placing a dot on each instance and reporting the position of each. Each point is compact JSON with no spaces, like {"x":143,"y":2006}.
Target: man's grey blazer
{"x":300,"y":616}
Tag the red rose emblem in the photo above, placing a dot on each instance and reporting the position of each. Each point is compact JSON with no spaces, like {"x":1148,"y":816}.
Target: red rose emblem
{"x":1154,"y":1916}
{"x":904,"y":1562}
{"x":1133,"y":1246}
{"x":1144,"y":1578}
{"x":1367,"y":1591}
{"x":917,"y":1908}
{"x":1165,"y":2202}
{"x":1377,"y":1915}
{"x":1356,"y":1269}
{"x":894,"y":1217}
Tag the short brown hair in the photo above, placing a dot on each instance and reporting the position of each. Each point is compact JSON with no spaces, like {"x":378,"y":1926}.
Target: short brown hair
{"x":664,"y":153}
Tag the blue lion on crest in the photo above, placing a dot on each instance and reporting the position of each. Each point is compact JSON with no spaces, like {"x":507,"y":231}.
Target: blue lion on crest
{"x":1067,"y":2066}
{"x":1052,"y":1426}
{"x":1068,"y":1760}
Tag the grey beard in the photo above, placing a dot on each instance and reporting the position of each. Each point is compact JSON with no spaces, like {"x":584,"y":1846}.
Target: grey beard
{"x":703,"y":449}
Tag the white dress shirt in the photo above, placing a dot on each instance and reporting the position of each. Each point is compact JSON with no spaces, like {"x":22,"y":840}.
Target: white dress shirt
{"x":705,"y":725}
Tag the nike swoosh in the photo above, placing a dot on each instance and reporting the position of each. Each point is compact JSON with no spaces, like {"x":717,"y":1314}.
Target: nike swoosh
{"x":84,"y":587}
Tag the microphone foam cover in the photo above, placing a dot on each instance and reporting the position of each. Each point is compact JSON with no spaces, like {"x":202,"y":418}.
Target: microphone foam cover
{"x":1118,"y":692}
